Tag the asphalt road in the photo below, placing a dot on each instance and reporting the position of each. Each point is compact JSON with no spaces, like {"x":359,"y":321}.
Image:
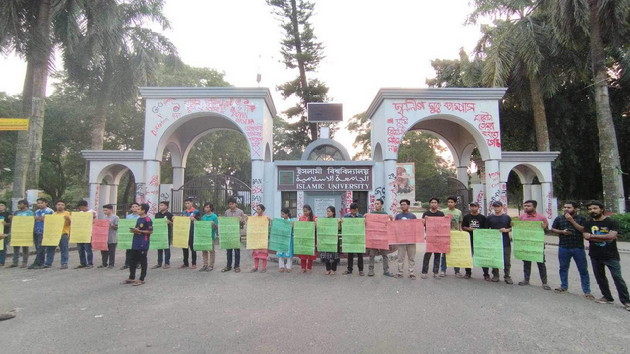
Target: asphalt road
{"x":184,"y":310}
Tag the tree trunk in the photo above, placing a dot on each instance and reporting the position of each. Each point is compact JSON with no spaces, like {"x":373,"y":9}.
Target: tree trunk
{"x":29,"y":144}
{"x":540,"y":118}
{"x":103,"y":100}
{"x":608,"y":149}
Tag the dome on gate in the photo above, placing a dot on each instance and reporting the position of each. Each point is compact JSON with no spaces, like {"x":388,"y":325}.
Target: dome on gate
{"x":325,"y":150}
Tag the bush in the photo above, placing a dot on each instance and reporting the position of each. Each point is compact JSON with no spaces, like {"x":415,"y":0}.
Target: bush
{"x":624,"y":226}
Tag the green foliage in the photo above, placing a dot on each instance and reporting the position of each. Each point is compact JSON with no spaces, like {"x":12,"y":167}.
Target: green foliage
{"x":10,"y":107}
{"x":624,"y":226}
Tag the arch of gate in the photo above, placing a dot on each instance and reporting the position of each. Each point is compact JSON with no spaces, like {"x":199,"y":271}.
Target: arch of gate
{"x":464,"y":118}
{"x":176,"y":117}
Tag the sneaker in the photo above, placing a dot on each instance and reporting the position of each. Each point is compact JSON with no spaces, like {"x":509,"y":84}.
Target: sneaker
{"x":47,"y":266}
{"x":523,"y":283}
{"x":203,"y":269}
{"x":604,"y":300}
{"x":347,"y":272}
{"x":424,"y":275}
{"x":238,"y":270}
{"x":111,"y":267}
{"x":64,"y":266}
{"x":560,"y":290}
{"x":508,"y":280}
{"x":495,"y":278}
{"x":34,"y":266}
{"x":80,"y":266}
{"x":156,"y":266}
{"x":486,"y":277}
{"x":589,"y":297}
{"x":442,"y":274}
{"x":124,"y":267}
{"x":226,"y":269}
{"x":361,"y":273}
{"x":546,"y":287}
{"x":435,"y":275}
{"x":626,"y":306}
{"x":387,"y":274}
{"x":412,"y":277}
{"x":102,"y":266}
{"x":371,"y":273}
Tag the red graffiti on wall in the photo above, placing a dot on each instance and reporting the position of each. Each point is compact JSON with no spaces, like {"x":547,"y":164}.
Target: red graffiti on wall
{"x":486,"y":126}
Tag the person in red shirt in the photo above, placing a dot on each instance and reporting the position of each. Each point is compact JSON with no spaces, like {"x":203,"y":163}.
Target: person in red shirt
{"x":529,"y":206}
{"x":306,"y":262}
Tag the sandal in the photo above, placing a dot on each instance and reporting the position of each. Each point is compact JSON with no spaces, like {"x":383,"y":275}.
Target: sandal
{"x":264,"y":270}
{"x":412,"y":277}
{"x":237,"y":270}
{"x":560,"y":290}
{"x":127,"y":281}
{"x":589,"y":297}
{"x":138,"y":283}
{"x":398,"y":276}
{"x":226,"y":269}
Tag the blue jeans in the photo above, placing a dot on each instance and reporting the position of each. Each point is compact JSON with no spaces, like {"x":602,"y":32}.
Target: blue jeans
{"x":443,"y":265}
{"x":599,"y":268}
{"x":564,"y":258}
{"x":41,"y":250}
{"x":63,"y":249}
{"x":165,"y":255}
{"x":85,"y":250}
{"x":3,"y":253}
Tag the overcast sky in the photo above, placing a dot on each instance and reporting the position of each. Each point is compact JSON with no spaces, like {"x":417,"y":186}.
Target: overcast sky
{"x":368,"y":45}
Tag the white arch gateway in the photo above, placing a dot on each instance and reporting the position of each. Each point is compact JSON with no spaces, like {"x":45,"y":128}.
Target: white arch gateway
{"x":464,"y":118}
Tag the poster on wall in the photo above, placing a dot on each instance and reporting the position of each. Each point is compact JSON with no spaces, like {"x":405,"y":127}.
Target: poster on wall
{"x":319,"y":209}
{"x":406,"y":181}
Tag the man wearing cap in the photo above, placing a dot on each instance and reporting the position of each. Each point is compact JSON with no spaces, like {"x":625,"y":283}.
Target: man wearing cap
{"x":502,"y":222}
{"x":472,"y":221}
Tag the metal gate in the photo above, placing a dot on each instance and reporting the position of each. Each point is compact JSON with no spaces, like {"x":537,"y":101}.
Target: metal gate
{"x":215,"y":189}
{"x":457,"y":189}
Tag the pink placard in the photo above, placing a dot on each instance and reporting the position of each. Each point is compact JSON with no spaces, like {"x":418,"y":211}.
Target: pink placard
{"x":405,"y":231}
{"x":376,"y":236}
{"x":438,"y":234}
{"x":100,"y":231}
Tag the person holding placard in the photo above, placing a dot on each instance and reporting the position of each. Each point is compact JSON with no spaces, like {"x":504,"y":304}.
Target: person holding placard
{"x":285,"y":259}
{"x":502,"y":222}
{"x":140,"y":246}
{"x":133,"y":208}
{"x":233,"y":211}
{"x":456,"y":224}
{"x":260,"y":254}
{"x":530,"y":214}
{"x":38,"y":235}
{"x":406,"y":250}
{"x":470,"y":222}
{"x":306,"y":261}
{"x":569,"y":228}
{"x":109,"y":256}
{"x":192,"y":213}
{"x":372,"y":252}
{"x":331,"y":259}
{"x":60,"y":209}
{"x":86,"y":257}
{"x":165,"y":254}
{"x":354,"y":213}
{"x":208,"y":256}
{"x":22,"y":211}
{"x":6,"y":226}
{"x":601,"y":233}
{"x":434,"y":205}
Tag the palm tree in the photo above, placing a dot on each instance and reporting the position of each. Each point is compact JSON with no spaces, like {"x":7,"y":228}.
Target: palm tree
{"x":520,"y":50}
{"x":601,"y":24}
{"x":114,"y":54}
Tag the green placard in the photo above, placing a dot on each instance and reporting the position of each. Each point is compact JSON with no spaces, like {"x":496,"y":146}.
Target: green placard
{"x":488,"y":248}
{"x":327,"y":234}
{"x":159,"y":237}
{"x":304,"y":238}
{"x":529,"y":241}
{"x":203,"y":236}
{"x":280,"y":235}
{"x":125,"y":237}
{"x":229,"y":232}
{"x":353,"y":235}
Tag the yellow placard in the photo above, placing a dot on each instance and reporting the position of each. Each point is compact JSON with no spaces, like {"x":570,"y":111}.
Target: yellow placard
{"x":22,"y":231}
{"x":181,"y":231}
{"x":460,"y":255}
{"x":53,"y":228}
{"x":1,"y":231}
{"x":257,"y":233}
{"x":81,"y":227}
{"x":13,"y":123}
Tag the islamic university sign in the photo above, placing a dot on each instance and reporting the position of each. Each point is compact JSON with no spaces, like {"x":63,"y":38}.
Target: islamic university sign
{"x":324,"y":178}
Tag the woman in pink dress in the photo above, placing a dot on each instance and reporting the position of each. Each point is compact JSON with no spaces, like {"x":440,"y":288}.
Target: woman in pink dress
{"x":260,"y":254}
{"x":306,"y":262}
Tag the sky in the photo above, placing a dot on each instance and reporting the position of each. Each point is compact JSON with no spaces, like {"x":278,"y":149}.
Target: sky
{"x":368,"y":45}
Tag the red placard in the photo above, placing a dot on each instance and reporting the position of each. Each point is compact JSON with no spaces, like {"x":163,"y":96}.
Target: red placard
{"x":100,"y":231}
{"x":405,"y":231}
{"x":376,"y":236}
{"x":438,"y":234}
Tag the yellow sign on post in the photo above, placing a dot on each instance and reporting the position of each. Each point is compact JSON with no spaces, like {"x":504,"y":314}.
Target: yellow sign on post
{"x":181,"y":231}
{"x":81,"y":227}
{"x":13,"y":123}
{"x":22,"y":231}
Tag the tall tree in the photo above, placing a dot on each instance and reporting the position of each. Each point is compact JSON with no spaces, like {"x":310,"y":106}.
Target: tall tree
{"x":114,"y":53}
{"x":300,"y":50}
{"x":519,"y":49}
{"x":602,"y":24}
